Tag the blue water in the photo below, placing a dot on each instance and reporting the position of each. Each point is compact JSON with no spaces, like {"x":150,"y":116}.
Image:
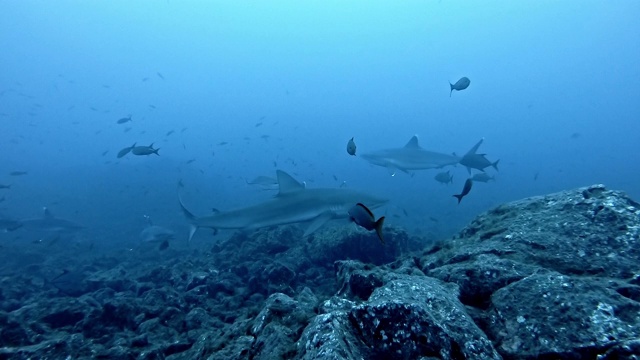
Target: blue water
{"x":554,"y":92}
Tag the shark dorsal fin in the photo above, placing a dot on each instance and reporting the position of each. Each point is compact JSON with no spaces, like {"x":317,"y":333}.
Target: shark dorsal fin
{"x":46,"y":213}
{"x":413,"y":143}
{"x":475,"y":147}
{"x":287,"y":183}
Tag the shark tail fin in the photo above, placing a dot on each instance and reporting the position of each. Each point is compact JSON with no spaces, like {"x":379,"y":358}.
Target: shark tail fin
{"x":495,"y":164}
{"x":451,"y":85}
{"x":193,"y":226}
{"x":155,"y":151}
{"x":459,"y":197}
{"x":378,"y":228}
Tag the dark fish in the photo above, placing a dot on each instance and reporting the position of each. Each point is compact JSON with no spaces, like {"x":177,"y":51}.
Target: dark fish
{"x":126,"y":150}
{"x":258,"y":124}
{"x":105,"y":152}
{"x":124,"y":120}
{"x":144,"y":150}
{"x":362,"y":216}
{"x":433,"y":219}
{"x":465,"y":190}
{"x":351,"y":147}
{"x":222,"y":143}
{"x":169,"y":132}
{"x":461,"y":84}
{"x":160,"y":75}
{"x":190,"y":161}
{"x":3,"y":186}
{"x":18,"y":173}
{"x":152,"y":106}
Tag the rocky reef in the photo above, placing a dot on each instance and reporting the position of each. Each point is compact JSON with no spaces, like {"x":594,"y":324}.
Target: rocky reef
{"x":550,"y":277}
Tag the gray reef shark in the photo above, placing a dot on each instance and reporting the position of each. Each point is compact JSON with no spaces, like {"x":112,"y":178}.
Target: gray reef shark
{"x":472,"y":160}
{"x":48,"y":222}
{"x":410,"y":157}
{"x":293,"y":204}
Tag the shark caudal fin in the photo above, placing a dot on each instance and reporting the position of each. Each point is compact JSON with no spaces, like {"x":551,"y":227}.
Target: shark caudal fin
{"x":193,"y":220}
{"x":495,"y":164}
{"x":378,"y":228}
{"x":459,"y":197}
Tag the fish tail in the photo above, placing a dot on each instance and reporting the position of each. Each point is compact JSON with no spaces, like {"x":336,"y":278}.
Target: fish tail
{"x":378,"y":228}
{"x":451,"y":91}
{"x":193,"y":220}
{"x":459,"y":197}
{"x":495,"y":164}
{"x":156,"y":151}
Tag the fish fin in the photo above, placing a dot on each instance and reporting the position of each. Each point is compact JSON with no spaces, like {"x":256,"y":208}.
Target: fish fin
{"x":413,"y":143}
{"x":193,"y":226}
{"x":318,"y":222}
{"x":475,"y":147}
{"x":156,"y":151}
{"x":287,"y":183}
{"x":459,"y":197}
{"x":378,"y":228}
{"x":46,"y":213}
{"x":366,"y":209}
{"x":495,"y":164}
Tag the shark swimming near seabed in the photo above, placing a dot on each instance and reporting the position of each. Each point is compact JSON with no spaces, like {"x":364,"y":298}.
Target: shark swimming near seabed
{"x":293,"y":204}
{"x":49,"y":223}
{"x":410,"y":157}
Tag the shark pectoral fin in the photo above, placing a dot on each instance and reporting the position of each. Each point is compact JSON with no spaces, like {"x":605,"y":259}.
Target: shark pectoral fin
{"x":318,"y":222}
{"x":392,"y":170}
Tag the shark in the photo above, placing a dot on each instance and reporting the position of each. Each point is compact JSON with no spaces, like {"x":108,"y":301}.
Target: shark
{"x":49,"y":223}
{"x":410,"y":157}
{"x":294,"y":203}
{"x":473,"y":160}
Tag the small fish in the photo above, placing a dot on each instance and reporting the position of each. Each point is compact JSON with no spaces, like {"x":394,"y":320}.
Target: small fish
{"x":483,"y":177}
{"x":258,"y":124}
{"x":152,"y":106}
{"x":124,"y":120}
{"x":105,"y":152}
{"x":3,"y":186}
{"x":435,"y":220}
{"x":190,"y":161}
{"x":160,"y":75}
{"x":222,"y":143}
{"x":465,"y":190}
{"x":363,"y":217}
{"x":461,"y":84}
{"x":18,"y":173}
{"x":126,"y":150}
{"x":444,"y":177}
{"x":144,"y":150}
{"x":351,"y":147}
{"x":169,"y":132}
